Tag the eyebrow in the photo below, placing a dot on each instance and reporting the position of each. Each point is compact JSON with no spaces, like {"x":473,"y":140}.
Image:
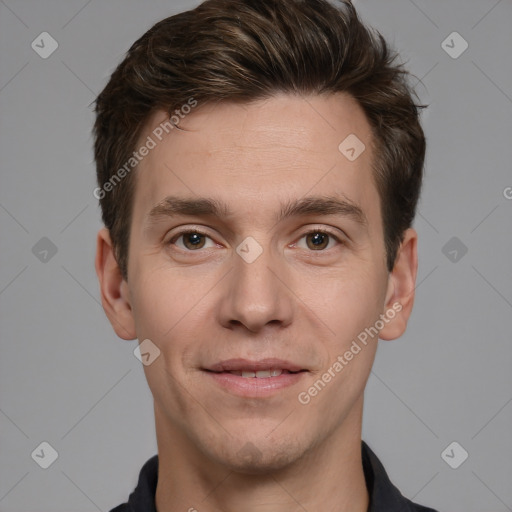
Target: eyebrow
{"x":173,"y":206}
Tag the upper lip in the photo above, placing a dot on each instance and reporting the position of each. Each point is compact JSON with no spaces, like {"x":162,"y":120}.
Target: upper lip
{"x":271,"y":363}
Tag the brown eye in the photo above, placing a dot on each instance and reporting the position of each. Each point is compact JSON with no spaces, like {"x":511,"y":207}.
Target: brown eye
{"x":317,"y":240}
{"x":191,"y":241}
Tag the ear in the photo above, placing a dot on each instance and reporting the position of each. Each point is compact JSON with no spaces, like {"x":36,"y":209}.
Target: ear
{"x":115,"y":295}
{"x":401,"y":286}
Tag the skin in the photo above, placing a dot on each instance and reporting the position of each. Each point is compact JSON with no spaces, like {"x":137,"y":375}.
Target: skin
{"x":294,"y":302}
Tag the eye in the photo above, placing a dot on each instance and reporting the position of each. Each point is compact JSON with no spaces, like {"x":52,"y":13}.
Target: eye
{"x":192,"y":240}
{"x":319,"y":240}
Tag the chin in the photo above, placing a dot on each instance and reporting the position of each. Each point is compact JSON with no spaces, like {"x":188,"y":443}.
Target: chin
{"x":259,"y":458}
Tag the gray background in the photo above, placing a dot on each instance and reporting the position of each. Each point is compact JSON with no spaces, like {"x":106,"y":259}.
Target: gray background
{"x":66,"y":379}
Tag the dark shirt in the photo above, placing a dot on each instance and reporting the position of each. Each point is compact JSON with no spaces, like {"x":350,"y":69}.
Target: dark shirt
{"x":384,"y":496}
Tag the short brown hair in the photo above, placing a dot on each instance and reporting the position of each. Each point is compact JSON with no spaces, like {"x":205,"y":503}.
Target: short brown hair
{"x":245,"y":50}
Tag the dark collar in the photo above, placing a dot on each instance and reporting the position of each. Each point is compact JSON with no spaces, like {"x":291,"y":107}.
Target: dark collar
{"x":384,"y":496}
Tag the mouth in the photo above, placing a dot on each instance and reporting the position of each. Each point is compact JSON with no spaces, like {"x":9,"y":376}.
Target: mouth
{"x":262,"y":368}
{"x":260,"y":374}
{"x":255,"y":378}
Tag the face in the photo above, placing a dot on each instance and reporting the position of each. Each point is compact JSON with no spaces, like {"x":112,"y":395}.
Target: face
{"x":257,"y":245}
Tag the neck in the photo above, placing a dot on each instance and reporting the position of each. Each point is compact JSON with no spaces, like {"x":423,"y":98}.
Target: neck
{"x":329,"y":476}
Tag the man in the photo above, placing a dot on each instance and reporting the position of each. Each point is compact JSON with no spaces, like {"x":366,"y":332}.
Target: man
{"x":259,"y":165}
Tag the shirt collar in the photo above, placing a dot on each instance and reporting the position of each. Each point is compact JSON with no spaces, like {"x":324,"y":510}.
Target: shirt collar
{"x":384,"y":496}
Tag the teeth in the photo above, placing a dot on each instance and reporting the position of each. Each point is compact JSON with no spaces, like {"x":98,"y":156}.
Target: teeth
{"x":260,"y":374}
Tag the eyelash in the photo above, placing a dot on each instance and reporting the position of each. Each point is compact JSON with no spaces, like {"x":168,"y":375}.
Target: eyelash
{"x":199,"y":232}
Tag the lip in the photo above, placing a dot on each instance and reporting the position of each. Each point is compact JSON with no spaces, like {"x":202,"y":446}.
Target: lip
{"x":254,"y":387}
{"x":238,"y":364}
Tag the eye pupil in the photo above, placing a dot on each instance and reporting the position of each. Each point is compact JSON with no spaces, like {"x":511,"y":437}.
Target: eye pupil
{"x":319,"y":240}
{"x":194,"y":238}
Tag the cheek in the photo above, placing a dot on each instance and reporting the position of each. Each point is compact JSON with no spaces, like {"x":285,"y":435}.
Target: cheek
{"x":163,"y":298}
{"x":346,"y":302}
{"x":153,"y":310}
{"x":349,"y":306}
{"x":172,"y":310}
{"x":165,"y":314}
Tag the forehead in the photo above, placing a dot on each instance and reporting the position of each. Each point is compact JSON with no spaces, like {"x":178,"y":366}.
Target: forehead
{"x":261,"y":154}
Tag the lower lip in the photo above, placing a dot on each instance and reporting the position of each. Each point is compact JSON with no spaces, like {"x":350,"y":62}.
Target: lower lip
{"x":253,"y":386}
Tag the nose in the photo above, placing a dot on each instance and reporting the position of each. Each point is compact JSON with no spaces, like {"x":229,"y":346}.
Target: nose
{"x":256,"y":294}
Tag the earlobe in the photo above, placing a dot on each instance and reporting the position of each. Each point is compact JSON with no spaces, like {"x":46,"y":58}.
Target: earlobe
{"x":401,"y":285}
{"x":114,"y":289}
